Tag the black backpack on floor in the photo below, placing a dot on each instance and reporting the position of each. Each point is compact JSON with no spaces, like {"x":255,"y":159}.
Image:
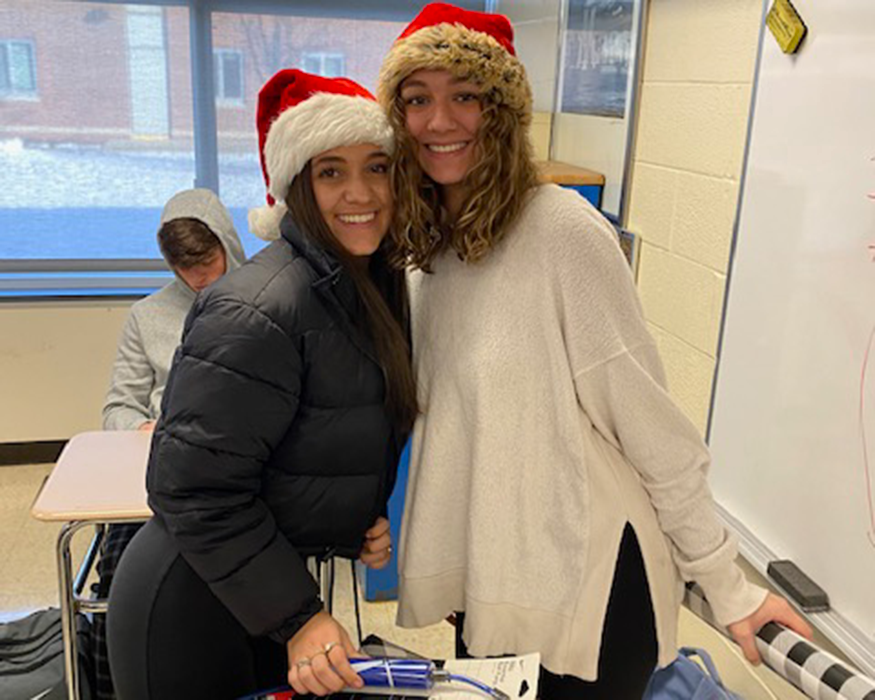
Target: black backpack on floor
{"x":32,"y":657}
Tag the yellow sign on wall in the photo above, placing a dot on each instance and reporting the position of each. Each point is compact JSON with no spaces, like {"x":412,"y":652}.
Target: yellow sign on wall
{"x":786,"y":25}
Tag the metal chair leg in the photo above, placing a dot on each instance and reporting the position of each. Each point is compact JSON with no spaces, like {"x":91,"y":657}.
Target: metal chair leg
{"x":68,"y":608}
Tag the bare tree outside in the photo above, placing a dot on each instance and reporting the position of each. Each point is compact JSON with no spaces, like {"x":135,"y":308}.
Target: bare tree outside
{"x":269,"y":43}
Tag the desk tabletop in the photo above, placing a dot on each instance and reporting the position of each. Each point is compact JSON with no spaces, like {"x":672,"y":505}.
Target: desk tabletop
{"x":566,"y":174}
{"x":100,"y":475}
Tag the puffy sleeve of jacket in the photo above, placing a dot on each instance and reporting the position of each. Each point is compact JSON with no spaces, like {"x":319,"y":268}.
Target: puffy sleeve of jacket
{"x":230,"y":398}
{"x":620,"y":384}
{"x":127,"y":402}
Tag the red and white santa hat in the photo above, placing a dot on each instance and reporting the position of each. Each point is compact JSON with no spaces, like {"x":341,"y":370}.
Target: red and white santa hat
{"x":301,"y":115}
{"x":476,"y":46}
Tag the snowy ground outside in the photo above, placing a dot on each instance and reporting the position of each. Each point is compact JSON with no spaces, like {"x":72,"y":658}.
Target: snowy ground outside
{"x":75,"y":201}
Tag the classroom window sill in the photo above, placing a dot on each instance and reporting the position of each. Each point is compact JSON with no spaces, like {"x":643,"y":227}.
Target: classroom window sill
{"x":31,"y":286}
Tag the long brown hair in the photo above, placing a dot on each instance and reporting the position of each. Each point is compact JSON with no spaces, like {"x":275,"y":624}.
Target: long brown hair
{"x":383,"y":292}
{"x":498,"y":185}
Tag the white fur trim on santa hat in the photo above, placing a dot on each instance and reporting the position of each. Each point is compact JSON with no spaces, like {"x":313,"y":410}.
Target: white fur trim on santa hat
{"x":318,"y":124}
{"x":264,"y":222}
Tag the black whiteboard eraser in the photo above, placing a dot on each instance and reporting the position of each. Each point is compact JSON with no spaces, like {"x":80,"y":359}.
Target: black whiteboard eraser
{"x":810,"y":596}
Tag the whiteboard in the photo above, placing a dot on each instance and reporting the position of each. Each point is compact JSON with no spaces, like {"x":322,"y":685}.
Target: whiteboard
{"x":793,"y":420}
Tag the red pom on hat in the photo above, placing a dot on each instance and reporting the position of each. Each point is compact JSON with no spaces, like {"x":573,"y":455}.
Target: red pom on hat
{"x":301,"y":115}
{"x":496,"y":26}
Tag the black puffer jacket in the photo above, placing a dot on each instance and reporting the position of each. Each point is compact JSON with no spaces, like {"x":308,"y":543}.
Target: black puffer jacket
{"x":274,"y":442}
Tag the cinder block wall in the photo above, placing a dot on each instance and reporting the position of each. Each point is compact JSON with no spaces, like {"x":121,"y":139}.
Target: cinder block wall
{"x":699,"y":66}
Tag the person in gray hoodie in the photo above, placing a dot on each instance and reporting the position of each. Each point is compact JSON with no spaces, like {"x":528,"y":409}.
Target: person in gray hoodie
{"x":198,"y":240}
{"x":154,"y":325}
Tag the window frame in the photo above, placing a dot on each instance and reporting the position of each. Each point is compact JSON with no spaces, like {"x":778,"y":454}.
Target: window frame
{"x":37,"y":278}
{"x":323,"y":57}
{"x":12,"y":93}
{"x":222,"y":98}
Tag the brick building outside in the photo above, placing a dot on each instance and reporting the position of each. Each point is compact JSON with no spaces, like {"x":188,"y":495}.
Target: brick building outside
{"x":119,"y":76}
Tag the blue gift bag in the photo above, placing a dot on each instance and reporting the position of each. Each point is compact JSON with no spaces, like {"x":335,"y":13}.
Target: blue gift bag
{"x":684,"y":679}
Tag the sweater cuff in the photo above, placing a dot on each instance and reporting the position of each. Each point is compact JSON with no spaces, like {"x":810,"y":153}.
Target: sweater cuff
{"x":124,"y":418}
{"x":289,"y":628}
{"x":731,"y":596}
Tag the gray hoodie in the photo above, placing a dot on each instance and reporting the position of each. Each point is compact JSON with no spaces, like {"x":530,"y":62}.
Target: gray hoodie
{"x":154,"y":326}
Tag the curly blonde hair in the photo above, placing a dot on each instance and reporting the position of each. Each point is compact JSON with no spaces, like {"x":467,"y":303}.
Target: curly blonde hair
{"x":497,"y":188}
{"x":504,"y":173}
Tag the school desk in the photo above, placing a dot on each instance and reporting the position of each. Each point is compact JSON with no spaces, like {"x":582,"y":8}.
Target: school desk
{"x":99,"y":480}
{"x":587,"y":183}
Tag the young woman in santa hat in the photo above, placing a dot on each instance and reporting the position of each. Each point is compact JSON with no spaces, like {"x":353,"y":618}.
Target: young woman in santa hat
{"x":283,"y":419}
{"x":557,"y":495}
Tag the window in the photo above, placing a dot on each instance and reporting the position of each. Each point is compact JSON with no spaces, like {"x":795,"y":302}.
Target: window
{"x":228,"y":75}
{"x":596,"y":57}
{"x":86,"y":169}
{"x":127,"y":116}
{"x":17,"y":70}
{"x":330,"y":65}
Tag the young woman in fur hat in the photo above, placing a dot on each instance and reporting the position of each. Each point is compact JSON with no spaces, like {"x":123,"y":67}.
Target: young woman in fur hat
{"x":283,"y":419}
{"x":557,"y":495}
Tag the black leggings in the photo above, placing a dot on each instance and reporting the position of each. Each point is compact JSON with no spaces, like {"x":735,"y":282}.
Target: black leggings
{"x":170,"y":637}
{"x":628,"y":652}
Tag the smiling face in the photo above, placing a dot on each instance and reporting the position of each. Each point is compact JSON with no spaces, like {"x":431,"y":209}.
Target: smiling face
{"x":351,"y":187}
{"x":443,"y":115}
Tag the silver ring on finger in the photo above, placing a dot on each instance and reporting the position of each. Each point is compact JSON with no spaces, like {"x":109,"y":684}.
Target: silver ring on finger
{"x":300,"y":663}
{"x":328,"y":647}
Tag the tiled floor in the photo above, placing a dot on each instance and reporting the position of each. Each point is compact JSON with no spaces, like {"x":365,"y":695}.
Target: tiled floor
{"x":28,"y":581}
{"x":27,"y":561}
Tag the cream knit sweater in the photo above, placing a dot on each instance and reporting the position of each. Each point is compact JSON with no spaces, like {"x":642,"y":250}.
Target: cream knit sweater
{"x":547,"y":427}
